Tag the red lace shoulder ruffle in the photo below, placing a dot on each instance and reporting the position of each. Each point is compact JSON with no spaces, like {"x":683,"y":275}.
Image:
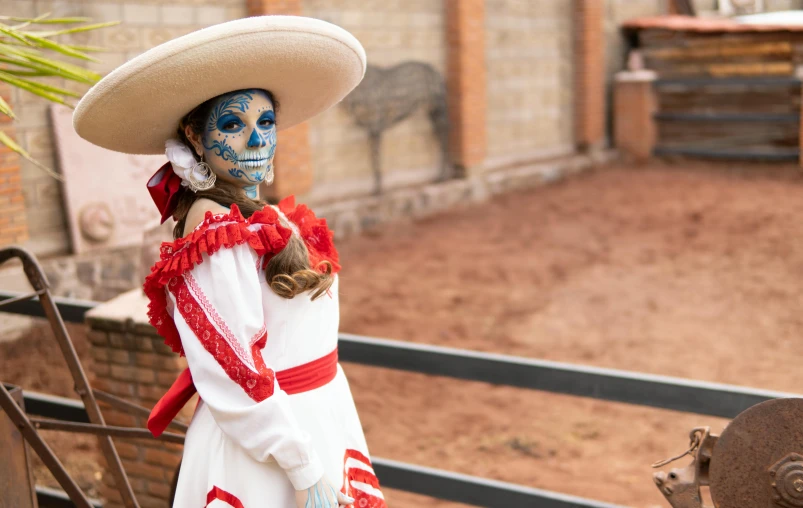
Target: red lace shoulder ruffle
{"x":315,"y":232}
{"x":268,"y":239}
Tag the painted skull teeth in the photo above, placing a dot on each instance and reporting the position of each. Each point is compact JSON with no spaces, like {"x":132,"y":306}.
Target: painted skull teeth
{"x":253,"y":160}
{"x":251,"y":164}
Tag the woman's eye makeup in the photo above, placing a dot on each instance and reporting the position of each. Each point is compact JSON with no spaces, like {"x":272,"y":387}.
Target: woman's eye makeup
{"x":268,"y":119}
{"x":229,"y":123}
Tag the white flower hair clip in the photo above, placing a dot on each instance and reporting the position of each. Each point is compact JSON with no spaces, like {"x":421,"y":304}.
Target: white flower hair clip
{"x":196,"y":175}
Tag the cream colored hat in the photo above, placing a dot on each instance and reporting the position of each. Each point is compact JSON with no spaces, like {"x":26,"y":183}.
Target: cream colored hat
{"x":309,"y":65}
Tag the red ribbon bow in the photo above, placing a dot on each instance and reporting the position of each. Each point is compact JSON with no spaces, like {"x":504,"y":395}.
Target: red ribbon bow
{"x":165,"y":189}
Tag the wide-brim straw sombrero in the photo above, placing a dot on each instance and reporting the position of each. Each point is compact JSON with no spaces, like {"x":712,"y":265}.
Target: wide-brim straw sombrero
{"x":308,"y":64}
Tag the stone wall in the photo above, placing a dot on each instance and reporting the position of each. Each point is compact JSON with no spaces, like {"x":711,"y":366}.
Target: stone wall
{"x":392,"y":31}
{"x":529,"y":55}
{"x":526,"y":88}
{"x":145,"y":24}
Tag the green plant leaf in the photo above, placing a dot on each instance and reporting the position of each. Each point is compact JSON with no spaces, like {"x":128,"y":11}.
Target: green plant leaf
{"x":32,"y":74}
{"x":6,"y":109}
{"x":36,"y":67}
{"x":88,"y":49}
{"x":34,"y":88}
{"x":51,"y":21}
{"x":13,"y":33}
{"x":49,"y":70}
{"x":6,"y":140}
{"x":28,"y":21}
{"x":59,"y":48}
{"x":63,"y":69}
{"x":47,"y":88}
{"x":84,"y":28}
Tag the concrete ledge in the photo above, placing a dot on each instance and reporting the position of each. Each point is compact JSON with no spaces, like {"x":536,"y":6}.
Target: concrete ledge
{"x":356,"y":215}
{"x":127,"y":312}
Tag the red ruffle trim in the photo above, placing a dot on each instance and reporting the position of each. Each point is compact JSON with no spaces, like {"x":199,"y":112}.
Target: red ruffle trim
{"x":271,"y":237}
{"x":315,"y":232}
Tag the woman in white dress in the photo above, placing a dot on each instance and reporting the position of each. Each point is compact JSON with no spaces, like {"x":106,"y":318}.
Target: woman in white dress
{"x":247,"y":291}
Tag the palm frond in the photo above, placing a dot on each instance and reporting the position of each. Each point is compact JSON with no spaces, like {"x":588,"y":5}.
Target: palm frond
{"x":5,"y":108}
{"x":77,"y":29}
{"x":7,"y":141}
{"x":23,"y":57}
{"x":42,"y":42}
{"x":42,"y":21}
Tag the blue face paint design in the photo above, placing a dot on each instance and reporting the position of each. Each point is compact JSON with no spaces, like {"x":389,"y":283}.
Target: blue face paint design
{"x":251,"y":191}
{"x":237,"y":101}
{"x":221,"y":149}
{"x":253,"y":178}
{"x":240,"y":138}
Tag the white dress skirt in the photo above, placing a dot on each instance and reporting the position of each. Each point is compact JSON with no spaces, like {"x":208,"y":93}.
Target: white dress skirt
{"x":251,"y":443}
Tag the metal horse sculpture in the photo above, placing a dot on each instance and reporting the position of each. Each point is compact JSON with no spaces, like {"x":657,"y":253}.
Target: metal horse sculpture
{"x":387,"y":96}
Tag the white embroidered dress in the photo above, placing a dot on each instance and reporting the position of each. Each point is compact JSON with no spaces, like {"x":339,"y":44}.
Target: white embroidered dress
{"x":250,"y":444}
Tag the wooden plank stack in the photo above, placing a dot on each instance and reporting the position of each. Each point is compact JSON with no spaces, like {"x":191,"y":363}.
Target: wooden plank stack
{"x":765,"y":114}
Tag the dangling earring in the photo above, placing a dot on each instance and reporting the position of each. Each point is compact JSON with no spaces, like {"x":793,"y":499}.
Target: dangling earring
{"x":208,"y":180}
{"x":269,"y":174}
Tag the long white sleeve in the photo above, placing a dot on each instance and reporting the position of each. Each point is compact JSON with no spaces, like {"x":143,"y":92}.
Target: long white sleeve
{"x":218,"y":314}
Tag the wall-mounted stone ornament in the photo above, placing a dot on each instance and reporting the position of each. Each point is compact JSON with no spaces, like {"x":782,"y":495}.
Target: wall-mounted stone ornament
{"x":107,"y":204}
{"x":96,"y":221}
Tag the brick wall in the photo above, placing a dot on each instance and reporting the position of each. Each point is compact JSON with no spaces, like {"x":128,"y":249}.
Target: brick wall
{"x":530,"y":78}
{"x":467,"y":83}
{"x":131,"y":361}
{"x":616,"y":12}
{"x":589,"y":73}
{"x":13,"y":220}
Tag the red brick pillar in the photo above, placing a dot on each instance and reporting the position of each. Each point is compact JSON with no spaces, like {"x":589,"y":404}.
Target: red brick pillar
{"x":13,"y":219}
{"x":293,"y":162}
{"x":131,"y":361}
{"x":634,"y":106}
{"x":466,"y":83}
{"x":800,"y":137}
{"x":589,"y":73}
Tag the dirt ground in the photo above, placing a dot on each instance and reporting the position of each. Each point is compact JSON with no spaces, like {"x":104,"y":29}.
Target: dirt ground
{"x":681,"y":269}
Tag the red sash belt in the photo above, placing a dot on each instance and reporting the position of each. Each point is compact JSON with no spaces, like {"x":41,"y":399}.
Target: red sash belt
{"x":303,"y":378}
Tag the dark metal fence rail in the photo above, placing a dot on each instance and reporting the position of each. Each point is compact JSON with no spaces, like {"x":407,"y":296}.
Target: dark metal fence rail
{"x":664,"y":392}
{"x":599,"y":383}
{"x":471,"y":489}
{"x":54,"y":498}
{"x":72,"y":311}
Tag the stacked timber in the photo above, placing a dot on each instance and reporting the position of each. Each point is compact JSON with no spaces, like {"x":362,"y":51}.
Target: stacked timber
{"x":723,"y":86}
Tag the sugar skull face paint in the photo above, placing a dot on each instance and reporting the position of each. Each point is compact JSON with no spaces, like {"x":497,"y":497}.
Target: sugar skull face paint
{"x":239,"y":139}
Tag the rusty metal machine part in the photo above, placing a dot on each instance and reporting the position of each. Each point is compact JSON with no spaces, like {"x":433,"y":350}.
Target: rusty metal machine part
{"x":681,"y":486}
{"x":757,"y":460}
{"x":16,"y":475}
{"x":786,"y":479}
